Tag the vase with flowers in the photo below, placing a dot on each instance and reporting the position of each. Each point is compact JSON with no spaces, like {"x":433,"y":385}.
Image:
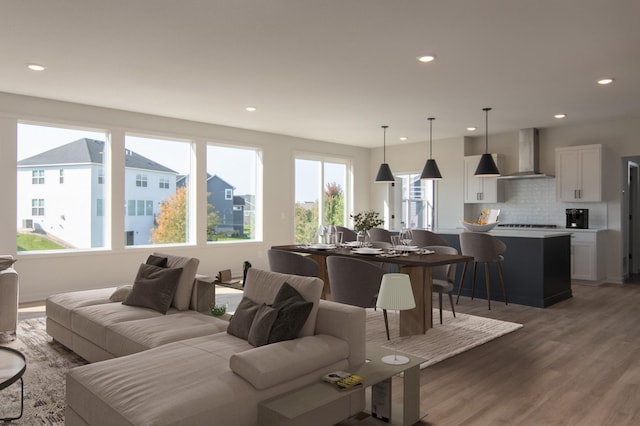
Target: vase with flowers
{"x":364,"y":221}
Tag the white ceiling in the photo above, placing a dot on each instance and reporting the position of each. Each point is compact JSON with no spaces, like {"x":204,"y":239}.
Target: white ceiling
{"x":332,"y":70}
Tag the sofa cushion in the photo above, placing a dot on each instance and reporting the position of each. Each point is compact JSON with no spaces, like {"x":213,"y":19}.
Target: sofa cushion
{"x":154,"y":288}
{"x":263,"y":286}
{"x":59,"y":306}
{"x":6,"y":260}
{"x":270,"y":365}
{"x":189,"y":265}
{"x":120,"y":293}
{"x":241,"y":321}
{"x":129,"y":337}
{"x":293,"y":311}
{"x":261,"y":326}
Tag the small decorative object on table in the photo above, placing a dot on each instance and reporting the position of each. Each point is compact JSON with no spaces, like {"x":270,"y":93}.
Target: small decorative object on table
{"x":366,"y":220}
{"x":218,"y":310}
{"x":343,"y":380}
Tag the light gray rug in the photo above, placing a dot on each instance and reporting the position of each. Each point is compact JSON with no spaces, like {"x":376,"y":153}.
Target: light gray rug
{"x":454,"y":336}
{"x":44,"y":378}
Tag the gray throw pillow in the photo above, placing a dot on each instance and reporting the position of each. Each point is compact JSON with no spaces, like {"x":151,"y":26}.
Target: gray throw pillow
{"x":154,"y":288}
{"x":261,"y":325}
{"x":157,"y":261}
{"x":6,"y":261}
{"x":241,"y":321}
{"x":293,"y":311}
{"x":120,"y":293}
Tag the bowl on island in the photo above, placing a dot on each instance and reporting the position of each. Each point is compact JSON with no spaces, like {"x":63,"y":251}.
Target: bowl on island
{"x":478,"y":227}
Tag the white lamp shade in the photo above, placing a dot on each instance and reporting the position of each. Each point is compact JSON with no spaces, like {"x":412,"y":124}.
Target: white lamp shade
{"x":395,"y":293}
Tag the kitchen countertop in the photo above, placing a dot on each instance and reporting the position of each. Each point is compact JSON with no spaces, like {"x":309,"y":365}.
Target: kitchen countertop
{"x":516,"y":232}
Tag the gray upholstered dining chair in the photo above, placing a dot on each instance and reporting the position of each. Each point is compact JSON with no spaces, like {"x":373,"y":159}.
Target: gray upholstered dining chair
{"x":355,"y":282}
{"x":485,"y":249}
{"x":287,"y":262}
{"x":379,"y":234}
{"x":347,"y":234}
{"x":444,"y":277}
{"x":424,"y":238}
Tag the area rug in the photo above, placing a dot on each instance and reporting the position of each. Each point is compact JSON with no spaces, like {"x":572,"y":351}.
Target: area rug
{"x":44,"y":378}
{"x":453,"y":336}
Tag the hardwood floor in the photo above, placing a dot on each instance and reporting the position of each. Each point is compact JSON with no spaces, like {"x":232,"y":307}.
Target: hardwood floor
{"x":576,"y":362}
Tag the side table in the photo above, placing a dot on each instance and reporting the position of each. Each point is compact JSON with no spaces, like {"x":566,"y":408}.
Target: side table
{"x":12,"y":366}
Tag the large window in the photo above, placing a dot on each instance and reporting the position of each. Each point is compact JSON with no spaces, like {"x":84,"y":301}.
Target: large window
{"x":233,"y":193}
{"x":48,"y":156}
{"x":416,"y":201}
{"x":157,"y":213}
{"x":321,"y":196}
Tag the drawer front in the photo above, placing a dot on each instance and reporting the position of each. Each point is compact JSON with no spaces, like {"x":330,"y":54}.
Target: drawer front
{"x":583,"y":238}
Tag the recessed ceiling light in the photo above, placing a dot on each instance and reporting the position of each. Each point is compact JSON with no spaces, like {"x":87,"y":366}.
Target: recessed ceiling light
{"x":36,"y":67}
{"x":560,"y":116}
{"x":426,"y":58}
{"x":605,"y":81}
{"x":403,"y":138}
{"x":472,"y":129}
{"x":251,"y":108}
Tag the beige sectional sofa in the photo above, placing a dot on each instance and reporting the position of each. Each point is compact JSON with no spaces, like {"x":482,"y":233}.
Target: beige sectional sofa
{"x":183,"y":368}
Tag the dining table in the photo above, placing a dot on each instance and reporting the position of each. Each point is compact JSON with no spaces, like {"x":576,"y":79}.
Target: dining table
{"x":417,"y":264}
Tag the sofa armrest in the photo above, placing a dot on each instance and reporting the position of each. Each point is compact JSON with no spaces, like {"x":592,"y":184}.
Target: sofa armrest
{"x":270,"y":365}
{"x":203,"y":294}
{"x":347,"y":323}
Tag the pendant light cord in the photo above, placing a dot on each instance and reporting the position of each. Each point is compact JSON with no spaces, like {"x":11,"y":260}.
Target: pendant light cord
{"x":430,"y":136}
{"x":486,"y":130}
{"x":384,"y":144}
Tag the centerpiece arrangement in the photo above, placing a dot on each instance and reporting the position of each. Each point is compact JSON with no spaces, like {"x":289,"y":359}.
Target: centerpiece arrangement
{"x":366,"y":220}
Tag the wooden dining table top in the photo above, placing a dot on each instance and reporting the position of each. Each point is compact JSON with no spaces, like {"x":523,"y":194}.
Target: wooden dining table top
{"x":408,"y":259}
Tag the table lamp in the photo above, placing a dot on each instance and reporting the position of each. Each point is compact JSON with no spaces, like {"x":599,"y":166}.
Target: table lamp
{"x":395,"y":294}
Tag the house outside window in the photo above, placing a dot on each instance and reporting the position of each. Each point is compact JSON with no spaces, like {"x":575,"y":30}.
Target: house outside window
{"x":164,"y":183}
{"x":70,"y":159}
{"x":37,"y":207}
{"x":322,"y":195}
{"x":100,"y":177}
{"x":234,"y":193}
{"x":131,"y":207}
{"x":37,"y":177}
{"x":99,"y":207}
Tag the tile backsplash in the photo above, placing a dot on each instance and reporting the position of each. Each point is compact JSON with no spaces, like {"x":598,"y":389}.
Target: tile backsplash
{"x":533,"y":201}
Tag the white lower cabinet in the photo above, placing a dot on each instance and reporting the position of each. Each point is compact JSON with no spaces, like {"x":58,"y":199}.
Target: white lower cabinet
{"x":587,"y":261}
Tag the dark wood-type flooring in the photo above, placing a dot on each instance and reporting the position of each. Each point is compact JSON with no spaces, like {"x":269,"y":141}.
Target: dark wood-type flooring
{"x":574,"y":363}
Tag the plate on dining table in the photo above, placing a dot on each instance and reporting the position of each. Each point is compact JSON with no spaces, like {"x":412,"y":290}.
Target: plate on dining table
{"x":352,"y":244}
{"x":367,"y":250}
{"x":407,"y":248}
{"x":322,"y":246}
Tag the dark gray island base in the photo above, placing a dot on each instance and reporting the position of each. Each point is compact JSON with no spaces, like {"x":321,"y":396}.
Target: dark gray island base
{"x":537,"y":268}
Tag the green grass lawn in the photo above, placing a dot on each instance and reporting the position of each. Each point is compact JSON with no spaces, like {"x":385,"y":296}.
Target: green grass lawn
{"x":32,"y":242}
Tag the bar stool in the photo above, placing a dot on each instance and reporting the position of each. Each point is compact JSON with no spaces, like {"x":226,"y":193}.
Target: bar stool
{"x":487,"y":249}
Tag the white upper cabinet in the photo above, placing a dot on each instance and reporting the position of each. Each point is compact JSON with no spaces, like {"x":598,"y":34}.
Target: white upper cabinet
{"x":579,"y":173}
{"x":480,"y":189}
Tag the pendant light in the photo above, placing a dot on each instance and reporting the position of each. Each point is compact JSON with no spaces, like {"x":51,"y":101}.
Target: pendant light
{"x":431,"y":171}
{"x":384,"y":172}
{"x":487,"y":167}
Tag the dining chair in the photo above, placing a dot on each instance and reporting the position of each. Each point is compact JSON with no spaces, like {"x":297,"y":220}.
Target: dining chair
{"x":485,"y":249}
{"x":444,"y":277}
{"x":347,"y":234}
{"x":379,"y":234}
{"x":355,"y":282}
{"x":424,"y":238}
{"x":287,"y":262}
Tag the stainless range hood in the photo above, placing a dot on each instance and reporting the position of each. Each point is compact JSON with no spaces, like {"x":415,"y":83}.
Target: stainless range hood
{"x":527,"y":156}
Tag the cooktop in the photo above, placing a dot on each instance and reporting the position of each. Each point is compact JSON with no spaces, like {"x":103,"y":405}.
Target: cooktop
{"x":525,"y":225}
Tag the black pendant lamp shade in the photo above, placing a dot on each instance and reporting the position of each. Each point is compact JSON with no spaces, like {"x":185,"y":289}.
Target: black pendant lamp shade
{"x":486,"y":167}
{"x":430,"y":171}
{"x":384,"y":172}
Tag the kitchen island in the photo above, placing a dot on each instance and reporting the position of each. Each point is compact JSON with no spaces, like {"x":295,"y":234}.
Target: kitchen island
{"x":536,"y":267}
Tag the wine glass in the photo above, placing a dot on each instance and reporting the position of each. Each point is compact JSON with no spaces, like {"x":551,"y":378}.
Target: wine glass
{"x":322,"y":233}
{"x":406,"y":236}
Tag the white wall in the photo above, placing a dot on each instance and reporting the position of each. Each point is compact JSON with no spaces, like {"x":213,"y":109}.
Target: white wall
{"x":45,"y":274}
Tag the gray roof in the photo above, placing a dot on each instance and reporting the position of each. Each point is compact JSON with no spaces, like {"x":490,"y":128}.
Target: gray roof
{"x":88,"y":151}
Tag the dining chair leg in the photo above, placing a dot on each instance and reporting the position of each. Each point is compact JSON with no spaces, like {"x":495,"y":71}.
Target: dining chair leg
{"x":440,"y":304}
{"x":504,"y":291}
{"x":473,"y":279}
{"x":487,"y":278}
{"x":464,"y":271}
{"x":386,"y":323}
{"x":451,"y":300}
